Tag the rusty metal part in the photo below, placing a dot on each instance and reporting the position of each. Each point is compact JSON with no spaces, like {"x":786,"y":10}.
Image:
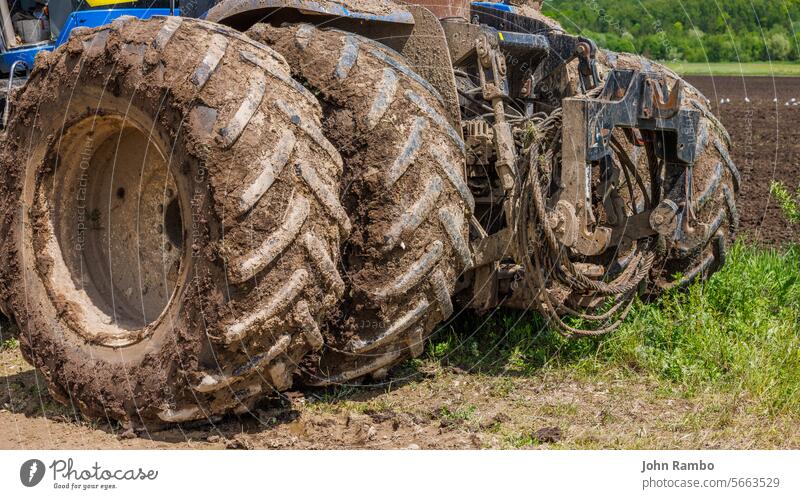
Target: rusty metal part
{"x":627,"y":101}
{"x":630,"y":100}
{"x":564,"y":223}
{"x":479,"y":137}
{"x":664,"y":218}
{"x":654,"y":104}
{"x":634,"y":227}
{"x":461,"y":36}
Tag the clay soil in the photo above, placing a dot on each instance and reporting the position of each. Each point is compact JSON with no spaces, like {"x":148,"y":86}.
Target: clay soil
{"x":436,"y":406}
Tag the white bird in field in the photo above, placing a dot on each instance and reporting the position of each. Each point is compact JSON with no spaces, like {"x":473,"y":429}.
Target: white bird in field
{"x":722,"y":101}
{"x":775,"y":99}
{"x":728,"y":100}
{"x":792,"y":99}
{"x":747,"y":99}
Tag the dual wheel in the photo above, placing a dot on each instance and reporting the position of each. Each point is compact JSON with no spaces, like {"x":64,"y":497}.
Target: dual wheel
{"x":187,"y":228}
{"x":173,"y":224}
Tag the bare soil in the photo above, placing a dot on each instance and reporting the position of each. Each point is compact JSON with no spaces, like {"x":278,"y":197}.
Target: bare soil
{"x":441,"y":407}
{"x":766,"y":138}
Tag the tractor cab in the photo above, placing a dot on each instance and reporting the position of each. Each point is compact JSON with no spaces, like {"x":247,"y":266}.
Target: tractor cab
{"x":30,"y":26}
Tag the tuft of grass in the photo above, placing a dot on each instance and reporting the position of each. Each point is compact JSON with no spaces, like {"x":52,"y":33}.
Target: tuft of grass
{"x":789,"y":202}
{"x":738,"y":332}
{"x":9,"y":344}
{"x":8,"y":335}
{"x":459,"y":416}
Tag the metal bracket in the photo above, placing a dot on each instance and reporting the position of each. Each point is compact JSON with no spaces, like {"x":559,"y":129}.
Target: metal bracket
{"x":492,"y":69}
{"x":632,"y":99}
{"x":552,"y":48}
{"x":629,"y":99}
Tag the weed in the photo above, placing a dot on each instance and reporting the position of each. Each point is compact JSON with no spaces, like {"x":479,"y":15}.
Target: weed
{"x":459,"y":416}
{"x":738,"y":332}
{"x":9,"y":344}
{"x":789,"y":203}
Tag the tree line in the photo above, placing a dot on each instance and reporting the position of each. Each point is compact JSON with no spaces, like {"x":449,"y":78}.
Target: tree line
{"x":687,"y":30}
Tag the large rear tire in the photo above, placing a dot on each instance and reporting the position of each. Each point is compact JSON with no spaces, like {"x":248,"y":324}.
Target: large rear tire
{"x":405,"y":191}
{"x":173,"y":221}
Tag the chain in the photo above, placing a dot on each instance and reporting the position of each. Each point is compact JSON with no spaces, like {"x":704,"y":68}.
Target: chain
{"x":548,"y":263}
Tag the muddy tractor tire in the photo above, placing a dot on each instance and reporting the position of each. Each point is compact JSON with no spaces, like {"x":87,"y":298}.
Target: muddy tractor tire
{"x":174,"y":221}
{"x":404,"y":190}
{"x":714,"y":182}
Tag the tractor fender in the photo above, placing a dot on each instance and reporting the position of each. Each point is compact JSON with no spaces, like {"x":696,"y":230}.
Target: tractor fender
{"x":240,"y":12}
{"x":412,"y":30}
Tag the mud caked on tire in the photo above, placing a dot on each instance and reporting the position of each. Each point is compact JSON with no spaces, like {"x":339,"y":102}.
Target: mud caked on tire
{"x":713,"y":182}
{"x":174,"y":221}
{"x":404,"y":190}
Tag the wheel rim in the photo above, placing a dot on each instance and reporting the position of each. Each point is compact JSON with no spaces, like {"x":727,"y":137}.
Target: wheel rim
{"x":116,"y":229}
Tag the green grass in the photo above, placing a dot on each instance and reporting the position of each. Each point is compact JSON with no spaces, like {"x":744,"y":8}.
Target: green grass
{"x":739,"y":333}
{"x":9,"y":344}
{"x":735,"y":68}
{"x":8,"y":340}
{"x":788,"y":201}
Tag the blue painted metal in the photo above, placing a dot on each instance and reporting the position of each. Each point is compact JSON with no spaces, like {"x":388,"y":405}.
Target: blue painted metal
{"x":95,"y":18}
{"x":81,"y":18}
{"x":495,"y":5}
{"x":24,"y":54}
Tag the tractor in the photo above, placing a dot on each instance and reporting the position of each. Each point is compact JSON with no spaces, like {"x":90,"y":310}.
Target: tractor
{"x":206,"y":204}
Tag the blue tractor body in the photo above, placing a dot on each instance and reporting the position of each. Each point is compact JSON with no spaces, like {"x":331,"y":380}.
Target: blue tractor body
{"x":80,"y":18}
{"x":91,"y":17}
{"x":54,"y":20}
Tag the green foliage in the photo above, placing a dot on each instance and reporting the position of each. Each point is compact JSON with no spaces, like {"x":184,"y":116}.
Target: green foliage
{"x":790,"y":203}
{"x":691,"y":30}
{"x":8,"y":333}
{"x":458,"y":416}
{"x":738,"y":331}
{"x":9,"y":344}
